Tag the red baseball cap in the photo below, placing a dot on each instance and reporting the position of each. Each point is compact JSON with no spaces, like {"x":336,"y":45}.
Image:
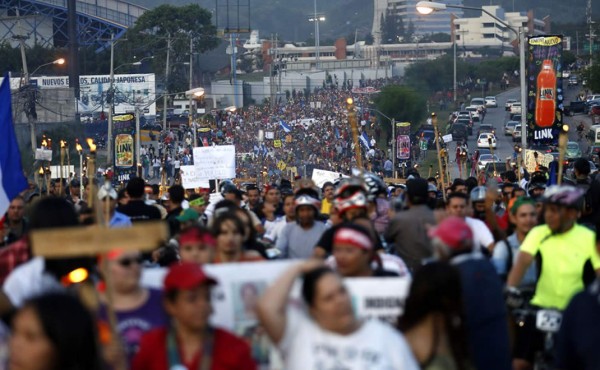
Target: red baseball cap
{"x":454,"y":232}
{"x":186,"y":276}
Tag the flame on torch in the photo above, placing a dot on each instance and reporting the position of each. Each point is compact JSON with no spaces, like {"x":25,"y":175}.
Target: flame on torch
{"x":91,"y":144}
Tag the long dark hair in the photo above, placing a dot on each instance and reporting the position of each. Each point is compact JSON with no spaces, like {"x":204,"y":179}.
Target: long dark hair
{"x":436,"y":289}
{"x":309,"y":283}
{"x":70,"y":328}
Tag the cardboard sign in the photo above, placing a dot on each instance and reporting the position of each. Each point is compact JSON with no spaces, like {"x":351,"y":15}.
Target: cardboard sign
{"x":43,"y":155}
{"x":189,"y":179}
{"x":320,"y":177}
{"x":447,"y":138}
{"x":214,"y":162}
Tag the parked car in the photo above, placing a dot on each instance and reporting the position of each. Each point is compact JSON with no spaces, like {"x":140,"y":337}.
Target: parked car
{"x":573,"y":151}
{"x":485,"y":159}
{"x":509,"y":104}
{"x":490,"y":102}
{"x":486,"y":140}
{"x":509,"y":127}
{"x":516,"y":135}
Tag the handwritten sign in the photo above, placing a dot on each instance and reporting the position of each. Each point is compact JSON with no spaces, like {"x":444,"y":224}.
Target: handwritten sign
{"x":532,"y":163}
{"x":277,"y":143}
{"x":43,"y":155}
{"x":214,"y":162}
{"x":447,"y":138}
{"x":189,"y":179}
{"x":270,"y":135}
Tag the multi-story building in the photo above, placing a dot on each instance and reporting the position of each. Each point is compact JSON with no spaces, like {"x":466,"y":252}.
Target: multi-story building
{"x":407,"y":9}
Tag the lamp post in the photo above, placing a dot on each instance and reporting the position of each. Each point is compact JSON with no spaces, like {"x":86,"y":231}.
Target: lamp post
{"x":31,"y":96}
{"x":317,"y":18}
{"x":194,"y":94}
{"x":393,"y":123}
{"x":428,"y":7}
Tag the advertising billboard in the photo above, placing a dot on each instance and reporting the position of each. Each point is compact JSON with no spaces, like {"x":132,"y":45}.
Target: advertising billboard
{"x":124,"y":147}
{"x":403,"y":140}
{"x":131,"y":90}
{"x":544,"y":88}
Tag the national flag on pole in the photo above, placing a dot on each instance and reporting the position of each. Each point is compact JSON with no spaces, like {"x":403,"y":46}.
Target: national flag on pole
{"x":12,"y":179}
{"x":364,"y":139}
{"x":285,"y":127}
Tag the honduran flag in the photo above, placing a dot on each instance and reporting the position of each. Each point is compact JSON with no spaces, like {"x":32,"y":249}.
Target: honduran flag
{"x":284,"y":126}
{"x":12,"y":179}
{"x":364,"y":139}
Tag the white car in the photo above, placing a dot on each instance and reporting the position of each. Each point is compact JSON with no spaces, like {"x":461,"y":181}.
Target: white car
{"x":485,"y":159}
{"x":490,"y":102}
{"x":515,"y":108}
{"x":509,"y":103}
{"x":486,"y":140}
{"x":474,"y":112}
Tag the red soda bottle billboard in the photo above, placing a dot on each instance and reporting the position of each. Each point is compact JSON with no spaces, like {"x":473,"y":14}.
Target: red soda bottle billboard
{"x":545,"y":105}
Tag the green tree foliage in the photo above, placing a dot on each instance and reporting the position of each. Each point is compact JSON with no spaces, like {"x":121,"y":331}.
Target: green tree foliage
{"x":36,"y":56}
{"x":392,"y":28}
{"x":150,"y":33}
{"x":402,"y":103}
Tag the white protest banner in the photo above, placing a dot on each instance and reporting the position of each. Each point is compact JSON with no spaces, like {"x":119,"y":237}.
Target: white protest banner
{"x":43,"y":155}
{"x":534,"y":159}
{"x":270,"y":135}
{"x":215,"y":162}
{"x":447,"y":138}
{"x":320,"y":177}
{"x":241,"y":284}
{"x":55,"y":171}
{"x":189,"y":180}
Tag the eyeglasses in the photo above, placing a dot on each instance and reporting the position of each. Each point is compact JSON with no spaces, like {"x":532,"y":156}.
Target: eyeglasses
{"x":126,"y":262}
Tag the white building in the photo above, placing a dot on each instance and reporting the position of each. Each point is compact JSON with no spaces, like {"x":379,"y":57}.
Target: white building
{"x":486,"y":31}
{"x":407,"y":9}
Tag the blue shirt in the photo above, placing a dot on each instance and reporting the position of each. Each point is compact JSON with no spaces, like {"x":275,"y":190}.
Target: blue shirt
{"x":119,"y":220}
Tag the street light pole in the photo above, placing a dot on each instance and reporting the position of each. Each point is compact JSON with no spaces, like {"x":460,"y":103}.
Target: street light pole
{"x":454,"y":85}
{"x":111,"y":102}
{"x":317,"y":41}
{"x":166,"y":83}
{"x":191,"y":111}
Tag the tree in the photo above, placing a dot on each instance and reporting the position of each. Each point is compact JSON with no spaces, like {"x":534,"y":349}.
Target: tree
{"x":151,"y":31}
{"x":410,"y":32}
{"x":392,"y":28}
{"x":402,"y":103}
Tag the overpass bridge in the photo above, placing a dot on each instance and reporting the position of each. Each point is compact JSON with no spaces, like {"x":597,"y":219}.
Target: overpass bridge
{"x":44,"y":22}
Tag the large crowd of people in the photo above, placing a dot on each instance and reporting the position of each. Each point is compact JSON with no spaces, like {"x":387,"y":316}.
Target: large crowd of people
{"x":477,"y":258}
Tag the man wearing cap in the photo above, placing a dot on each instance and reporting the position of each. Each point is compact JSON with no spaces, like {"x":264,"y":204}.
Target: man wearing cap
{"x":485,"y":311}
{"x":190,"y":342}
{"x":408,"y":229}
{"x":74,"y":196}
{"x":106,"y":194}
{"x":187,"y":218}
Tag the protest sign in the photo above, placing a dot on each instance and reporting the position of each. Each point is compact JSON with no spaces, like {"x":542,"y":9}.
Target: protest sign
{"x":534,"y":159}
{"x":270,"y":135}
{"x":447,"y":138}
{"x":214,"y":162}
{"x":277,"y":143}
{"x":320,"y":177}
{"x":189,"y":179}
{"x":241,"y":284}
{"x":55,"y":171}
{"x":43,"y":155}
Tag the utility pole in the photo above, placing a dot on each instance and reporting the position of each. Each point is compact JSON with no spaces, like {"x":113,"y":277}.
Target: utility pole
{"x":111,"y":100}
{"x":166,"y":83}
{"x":317,"y":41}
{"x":271,"y":79}
{"x":191,"y":111}
{"x":30,"y":93}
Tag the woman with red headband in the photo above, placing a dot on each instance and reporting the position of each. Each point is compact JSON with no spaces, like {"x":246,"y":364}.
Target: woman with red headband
{"x":196,"y":245}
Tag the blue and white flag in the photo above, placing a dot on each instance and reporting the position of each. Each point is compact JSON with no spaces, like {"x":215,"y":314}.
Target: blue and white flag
{"x":12,"y":179}
{"x":364,"y":139}
{"x":285,"y":127}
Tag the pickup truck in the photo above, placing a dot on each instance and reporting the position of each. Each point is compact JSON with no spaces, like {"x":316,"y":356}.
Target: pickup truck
{"x":515,"y":108}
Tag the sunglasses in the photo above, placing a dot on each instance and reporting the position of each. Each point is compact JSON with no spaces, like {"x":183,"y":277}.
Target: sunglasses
{"x":126,"y":262}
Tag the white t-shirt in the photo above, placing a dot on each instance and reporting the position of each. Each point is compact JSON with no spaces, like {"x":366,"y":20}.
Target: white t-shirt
{"x":374,"y":346}
{"x":482,"y":236}
{"x":29,"y":280}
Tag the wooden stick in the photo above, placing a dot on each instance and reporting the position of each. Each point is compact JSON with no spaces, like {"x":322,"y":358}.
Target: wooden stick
{"x":437,"y":146}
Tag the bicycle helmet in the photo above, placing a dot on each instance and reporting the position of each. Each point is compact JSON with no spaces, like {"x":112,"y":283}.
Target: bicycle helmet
{"x":535,"y":186}
{"x":306,"y":200}
{"x":350,"y":194}
{"x":375,"y":186}
{"x":565,"y":196}
{"x":478,"y":194}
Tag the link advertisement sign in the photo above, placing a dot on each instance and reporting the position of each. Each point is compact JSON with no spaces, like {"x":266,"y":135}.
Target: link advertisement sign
{"x":544,"y":88}
{"x":124,"y":147}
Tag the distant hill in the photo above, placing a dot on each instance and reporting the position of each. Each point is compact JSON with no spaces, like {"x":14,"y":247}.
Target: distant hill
{"x":289,"y":18}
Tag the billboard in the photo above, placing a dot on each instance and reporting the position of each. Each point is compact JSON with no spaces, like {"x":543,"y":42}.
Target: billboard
{"x":131,"y":90}
{"x":403,"y":141}
{"x":124,"y":147}
{"x":544,"y":88}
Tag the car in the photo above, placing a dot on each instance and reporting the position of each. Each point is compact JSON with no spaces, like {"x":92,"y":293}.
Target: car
{"x":478,"y":102}
{"x":573,"y":80}
{"x":485,"y":159}
{"x":484,"y":151}
{"x":474,"y":112}
{"x":429,"y":135}
{"x":573,"y":150}
{"x":575,"y":107}
{"x":490,"y":102}
{"x":459,"y":131}
{"x":494,"y":169}
{"x":566,"y":74}
{"x":486,"y":128}
{"x":594,"y":151}
{"x":569,"y":171}
{"x":515,"y":108}
{"x":516,"y":135}
{"x":592,"y":97}
{"x":486,"y":140}
{"x":468,"y":123}
{"x":595,"y":110}
{"x":509,"y":127}
{"x":509,"y":104}
{"x":516,"y":117}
